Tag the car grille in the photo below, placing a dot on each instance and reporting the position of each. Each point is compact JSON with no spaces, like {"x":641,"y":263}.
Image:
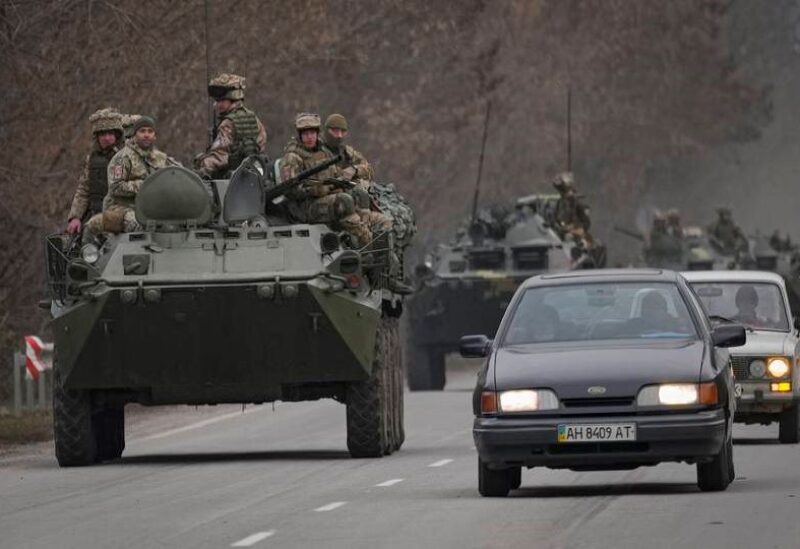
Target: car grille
{"x":741,"y":366}
{"x":596,"y":402}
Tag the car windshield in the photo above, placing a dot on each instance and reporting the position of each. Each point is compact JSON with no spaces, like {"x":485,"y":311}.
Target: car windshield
{"x":611,"y":310}
{"x":759,"y":305}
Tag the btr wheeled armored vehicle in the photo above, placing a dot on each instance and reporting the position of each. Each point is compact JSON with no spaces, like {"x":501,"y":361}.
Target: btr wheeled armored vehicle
{"x":465,"y":286}
{"x":220,"y":299}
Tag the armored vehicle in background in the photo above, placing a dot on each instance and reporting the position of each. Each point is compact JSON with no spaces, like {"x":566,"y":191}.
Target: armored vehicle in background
{"x":219,"y":299}
{"x":464,"y":287}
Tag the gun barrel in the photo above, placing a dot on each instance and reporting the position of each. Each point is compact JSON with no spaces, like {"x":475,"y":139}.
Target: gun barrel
{"x":285,"y":186}
{"x":628,"y":232}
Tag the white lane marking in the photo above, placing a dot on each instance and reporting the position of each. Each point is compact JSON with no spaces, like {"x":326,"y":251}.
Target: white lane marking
{"x":330,"y":506}
{"x":390,"y":482}
{"x":252,"y":540}
{"x":199,"y":424}
{"x":440,"y":463}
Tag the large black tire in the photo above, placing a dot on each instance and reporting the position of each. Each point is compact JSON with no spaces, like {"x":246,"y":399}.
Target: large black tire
{"x":426,"y":369}
{"x":716,"y":475}
{"x":493,"y":483}
{"x":73,"y":431}
{"x":109,"y":429}
{"x":400,"y":390}
{"x":789,"y":428}
{"x":368,"y":418}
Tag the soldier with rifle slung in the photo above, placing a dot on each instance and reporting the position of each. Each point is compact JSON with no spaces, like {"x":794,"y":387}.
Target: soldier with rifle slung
{"x":239,"y":132}
{"x":93,"y":183}
{"x":321,"y":199}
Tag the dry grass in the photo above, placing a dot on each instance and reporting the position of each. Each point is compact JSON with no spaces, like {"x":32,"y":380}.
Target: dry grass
{"x":30,"y":427}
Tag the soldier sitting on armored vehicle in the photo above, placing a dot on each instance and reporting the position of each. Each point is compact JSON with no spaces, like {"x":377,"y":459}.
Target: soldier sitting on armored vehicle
{"x":239,"y":133}
{"x":93,"y":183}
{"x":126,"y":173}
{"x":571,"y":216}
{"x":726,"y":236}
{"x":674,"y":225}
{"x":354,"y":167}
{"x":319,"y":200}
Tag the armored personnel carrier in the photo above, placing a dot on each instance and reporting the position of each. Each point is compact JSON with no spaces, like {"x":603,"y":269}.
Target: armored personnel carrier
{"x":220,"y":299}
{"x":464,"y":287}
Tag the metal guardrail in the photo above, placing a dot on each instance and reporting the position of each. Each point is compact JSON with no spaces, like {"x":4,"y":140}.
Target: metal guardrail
{"x":30,"y":394}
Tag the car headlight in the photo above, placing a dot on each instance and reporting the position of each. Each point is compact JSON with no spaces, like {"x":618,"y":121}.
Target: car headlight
{"x":757,"y":368}
{"x":778,"y":366}
{"x":527,"y":400}
{"x":90,"y":254}
{"x":678,"y":394}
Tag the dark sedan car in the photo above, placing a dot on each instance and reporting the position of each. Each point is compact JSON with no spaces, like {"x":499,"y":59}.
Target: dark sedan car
{"x":604,"y":370}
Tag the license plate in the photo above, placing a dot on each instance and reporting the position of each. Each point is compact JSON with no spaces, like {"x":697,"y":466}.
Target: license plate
{"x":596,"y":432}
{"x":738,"y":390}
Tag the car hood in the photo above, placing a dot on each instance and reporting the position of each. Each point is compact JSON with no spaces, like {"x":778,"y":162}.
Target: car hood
{"x":766,"y":343}
{"x":622,"y":368}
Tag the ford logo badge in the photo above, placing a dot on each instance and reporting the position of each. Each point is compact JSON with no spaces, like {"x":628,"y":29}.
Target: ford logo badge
{"x":596,"y":390}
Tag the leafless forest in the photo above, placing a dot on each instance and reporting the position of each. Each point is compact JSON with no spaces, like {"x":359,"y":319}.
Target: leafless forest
{"x":661,"y":92}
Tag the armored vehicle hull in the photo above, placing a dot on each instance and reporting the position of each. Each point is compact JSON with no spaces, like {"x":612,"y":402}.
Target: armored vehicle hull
{"x":467,"y":285}
{"x":203,"y":313}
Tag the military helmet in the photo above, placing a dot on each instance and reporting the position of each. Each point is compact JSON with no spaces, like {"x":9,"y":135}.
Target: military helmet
{"x":564,"y":182}
{"x":307,"y":121}
{"x":337,"y":121}
{"x":128,"y":120}
{"x":227,"y":86}
{"x":673,"y":214}
{"x":106,"y":120}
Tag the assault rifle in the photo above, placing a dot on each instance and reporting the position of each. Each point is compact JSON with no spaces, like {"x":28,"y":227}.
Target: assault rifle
{"x":631,"y":233}
{"x":285,"y":186}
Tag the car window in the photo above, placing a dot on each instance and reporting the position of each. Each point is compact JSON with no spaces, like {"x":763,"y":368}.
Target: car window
{"x":759,"y":305}
{"x":610,"y":310}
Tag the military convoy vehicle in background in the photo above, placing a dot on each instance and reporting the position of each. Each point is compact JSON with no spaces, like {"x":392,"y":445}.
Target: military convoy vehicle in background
{"x":219,"y":299}
{"x":464,"y":287}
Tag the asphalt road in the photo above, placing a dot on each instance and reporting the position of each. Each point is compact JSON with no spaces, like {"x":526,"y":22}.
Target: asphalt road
{"x":217,"y":477}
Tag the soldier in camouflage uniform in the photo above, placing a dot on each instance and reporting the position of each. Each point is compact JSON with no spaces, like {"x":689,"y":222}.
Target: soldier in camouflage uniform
{"x":674,"y":225}
{"x":571,"y":215}
{"x":354,"y":167}
{"x":126,"y":173}
{"x":316,"y":201}
{"x":93,"y":184}
{"x":726,"y":236}
{"x":239,"y":132}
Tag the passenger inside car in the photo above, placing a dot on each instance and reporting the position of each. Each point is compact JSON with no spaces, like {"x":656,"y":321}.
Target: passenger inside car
{"x":654,"y":316}
{"x":746,"y":304}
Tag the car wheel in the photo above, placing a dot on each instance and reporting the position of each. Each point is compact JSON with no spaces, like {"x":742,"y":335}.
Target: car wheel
{"x":515,"y":476}
{"x":717,"y":474}
{"x":789,"y":430}
{"x":493,"y":482}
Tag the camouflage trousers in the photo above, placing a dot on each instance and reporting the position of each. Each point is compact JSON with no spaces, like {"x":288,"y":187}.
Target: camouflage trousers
{"x":115,"y":219}
{"x":337,"y":210}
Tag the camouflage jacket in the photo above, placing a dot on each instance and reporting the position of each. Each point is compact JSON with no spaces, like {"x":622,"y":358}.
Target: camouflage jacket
{"x":81,"y":201}
{"x":217,"y":159}
{"x":128,"y":170}
{"x":351,"y":158}
{"x":297,"y":159}
{"x":571,"y":214}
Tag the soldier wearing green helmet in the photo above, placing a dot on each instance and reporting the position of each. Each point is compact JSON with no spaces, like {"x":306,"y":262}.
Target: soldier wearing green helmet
{"x":93,"y":184}
{"x":239,"y":132}
{"x":317,"y":200}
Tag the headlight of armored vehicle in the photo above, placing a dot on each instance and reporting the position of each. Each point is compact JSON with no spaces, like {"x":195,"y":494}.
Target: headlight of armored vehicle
{"x":90,"y":254}
{"x":778,"y":366}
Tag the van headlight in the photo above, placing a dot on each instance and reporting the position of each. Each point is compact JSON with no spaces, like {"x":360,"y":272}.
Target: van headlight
{"x":90,"y":254}
{"x":528,"y":400}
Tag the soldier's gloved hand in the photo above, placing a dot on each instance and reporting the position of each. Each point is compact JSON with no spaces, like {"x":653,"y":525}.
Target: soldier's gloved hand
{"x":320,"y":190}
{"x":349,"y":173}
{"x":74,"y":225}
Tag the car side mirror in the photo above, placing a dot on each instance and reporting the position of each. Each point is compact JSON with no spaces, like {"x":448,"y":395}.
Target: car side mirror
{"x":729,"y":335}
{"x":475,"y":346}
